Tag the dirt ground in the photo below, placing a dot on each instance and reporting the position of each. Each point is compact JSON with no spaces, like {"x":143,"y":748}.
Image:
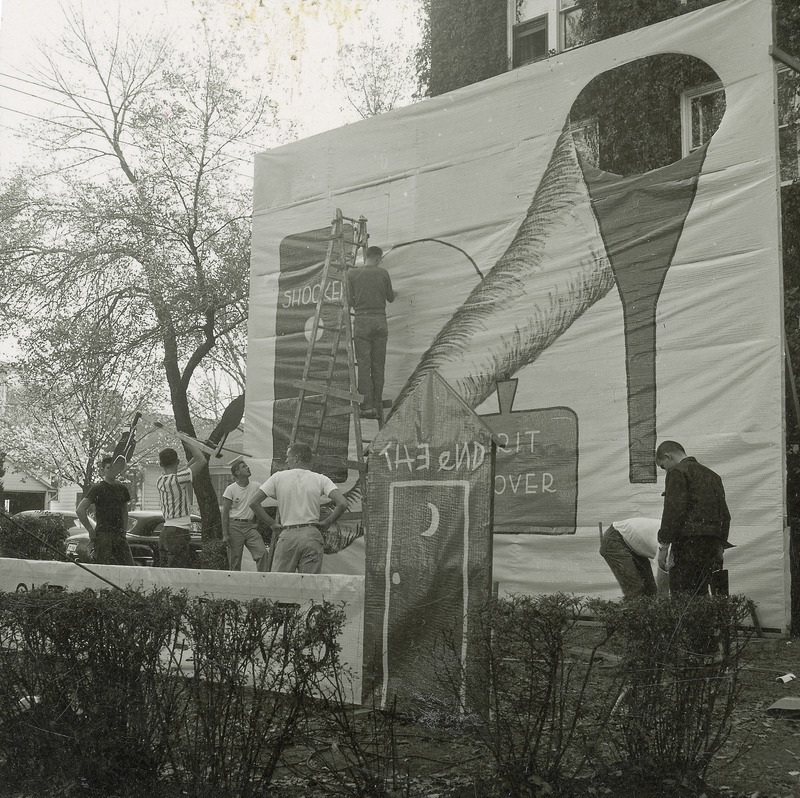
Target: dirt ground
{"x":760,"y":760}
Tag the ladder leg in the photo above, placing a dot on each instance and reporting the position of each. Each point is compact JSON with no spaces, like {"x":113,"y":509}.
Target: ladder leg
{"x":317,"y":398}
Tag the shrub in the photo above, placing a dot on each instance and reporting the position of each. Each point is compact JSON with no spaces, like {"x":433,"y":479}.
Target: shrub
{"x":254,"y":666}
{"x":122,"y":688}
{"x":677,"y":682}
{"x":83,"y":687}
{"x":539,"y":709}
{"x":350,"y":751}
{"x":27,"y":537}
{"x":659,"y":715}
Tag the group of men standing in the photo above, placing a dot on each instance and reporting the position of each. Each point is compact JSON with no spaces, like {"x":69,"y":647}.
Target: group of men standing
{"x":297,"y":537}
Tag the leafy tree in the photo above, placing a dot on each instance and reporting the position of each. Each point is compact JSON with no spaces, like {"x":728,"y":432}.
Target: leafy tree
{"x":464,"y":41}
{"x":374,"y":76}
{"x":74,"y":394}
{"x":222,"y":378}
{"x":2,"y":474}
{"x":148,"y":201}
{"x":20,"y":227}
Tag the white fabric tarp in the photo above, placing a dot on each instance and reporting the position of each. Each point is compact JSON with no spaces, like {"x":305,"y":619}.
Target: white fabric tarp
{"x":504,"y":270}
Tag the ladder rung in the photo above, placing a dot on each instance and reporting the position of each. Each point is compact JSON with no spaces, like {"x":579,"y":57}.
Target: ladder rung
{"x":316,"y":406}
{"x":319,"y":376}
{"x":345,"y":410}
{"x":325,"y":348}
{"x":328,"y":390}
{"x":306,"y":425}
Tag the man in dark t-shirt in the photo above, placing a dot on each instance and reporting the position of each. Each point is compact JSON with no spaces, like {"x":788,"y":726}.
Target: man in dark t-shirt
{"x":370,"y":288}
{"x":110,"y":499}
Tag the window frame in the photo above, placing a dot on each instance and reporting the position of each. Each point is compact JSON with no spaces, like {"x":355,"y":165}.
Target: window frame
{"x":687,"y":95}
{"x":520,"y":29}
{"x":565,"y":8}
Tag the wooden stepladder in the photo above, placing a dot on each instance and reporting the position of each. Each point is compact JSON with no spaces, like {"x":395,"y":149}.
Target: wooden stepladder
{"x":324,"y":390}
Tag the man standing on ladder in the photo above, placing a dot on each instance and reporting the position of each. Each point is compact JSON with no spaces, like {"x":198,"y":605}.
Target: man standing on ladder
{"x":370,"y":288}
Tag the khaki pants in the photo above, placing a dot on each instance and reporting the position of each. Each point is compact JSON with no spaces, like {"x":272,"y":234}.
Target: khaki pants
{"x":243,"y":533}
{"x":633,"y":571}
{"x":299,"y":549}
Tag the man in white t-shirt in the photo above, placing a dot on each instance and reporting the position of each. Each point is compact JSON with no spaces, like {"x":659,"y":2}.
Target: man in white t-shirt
{"x":299,"y":492}
{"x":239,"y":527}
{"x":174,"y":486}
{"x":628,"y":547}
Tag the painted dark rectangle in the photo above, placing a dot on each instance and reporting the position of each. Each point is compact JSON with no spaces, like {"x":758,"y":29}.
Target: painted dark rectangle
{"x":302,"y":258}
{"x":536,"y":471}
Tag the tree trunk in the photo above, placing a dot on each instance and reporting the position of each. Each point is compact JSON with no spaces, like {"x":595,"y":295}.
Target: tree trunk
{"x":202,"y":484}
{"x":209,"y":505}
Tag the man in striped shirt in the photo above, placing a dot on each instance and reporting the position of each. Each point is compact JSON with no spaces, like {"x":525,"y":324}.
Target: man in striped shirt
{"x":173,"y":492}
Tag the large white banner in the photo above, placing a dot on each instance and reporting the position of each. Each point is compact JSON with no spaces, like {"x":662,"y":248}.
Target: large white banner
{"x":612,"y":313}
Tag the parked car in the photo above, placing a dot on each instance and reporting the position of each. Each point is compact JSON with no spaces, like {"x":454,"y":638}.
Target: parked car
{"x":144,"y":527}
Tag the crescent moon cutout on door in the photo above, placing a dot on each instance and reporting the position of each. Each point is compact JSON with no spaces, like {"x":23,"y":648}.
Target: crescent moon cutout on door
{"x":431,"y":530}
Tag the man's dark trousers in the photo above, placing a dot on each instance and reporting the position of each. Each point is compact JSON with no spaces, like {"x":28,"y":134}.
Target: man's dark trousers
{"x":694,"y":560}
{"x":370,"y":333}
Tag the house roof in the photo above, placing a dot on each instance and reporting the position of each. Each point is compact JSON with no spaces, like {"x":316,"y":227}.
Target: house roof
{"x":18,"y":480}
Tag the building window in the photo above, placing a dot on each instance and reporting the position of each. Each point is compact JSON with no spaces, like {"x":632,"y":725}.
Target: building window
{"x":570,"y":24}
{"x":789,"y":124}
{"x":530,"y":41}
{"x":702,"y":110}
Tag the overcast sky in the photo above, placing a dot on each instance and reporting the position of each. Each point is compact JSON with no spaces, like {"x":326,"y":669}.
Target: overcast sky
{"x":303,"y":51}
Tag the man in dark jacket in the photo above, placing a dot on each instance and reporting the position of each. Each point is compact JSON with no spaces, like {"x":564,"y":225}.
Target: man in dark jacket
{"x":695,"y":521}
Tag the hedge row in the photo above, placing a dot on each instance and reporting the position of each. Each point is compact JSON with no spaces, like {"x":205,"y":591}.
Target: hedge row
{"x":170,"y":695}
{"x":114,"y":689}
